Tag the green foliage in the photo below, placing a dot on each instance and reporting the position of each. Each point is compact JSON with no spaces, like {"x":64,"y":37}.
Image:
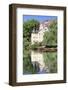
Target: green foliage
{"x":27,"y":29}
{"x":50,"y":37}
{"x":50,"y":59}
{"x":35,"y":45}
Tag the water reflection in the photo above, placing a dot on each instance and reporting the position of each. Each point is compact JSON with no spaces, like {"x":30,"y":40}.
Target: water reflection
{"x":41,"y":63}
{"x":38,"y":63}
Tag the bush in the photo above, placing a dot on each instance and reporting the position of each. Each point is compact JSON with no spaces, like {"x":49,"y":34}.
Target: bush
{"x":37,"y":45}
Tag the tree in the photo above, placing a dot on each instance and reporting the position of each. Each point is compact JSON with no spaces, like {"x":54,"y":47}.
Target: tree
{"x":29,"y":25}
{"x":50,"y":37}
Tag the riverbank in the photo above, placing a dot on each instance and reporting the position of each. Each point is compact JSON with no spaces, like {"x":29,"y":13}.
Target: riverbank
{"x":44,"y":49}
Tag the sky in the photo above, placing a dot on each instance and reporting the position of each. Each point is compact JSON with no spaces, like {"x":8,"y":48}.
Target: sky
{"x":38,"y":17}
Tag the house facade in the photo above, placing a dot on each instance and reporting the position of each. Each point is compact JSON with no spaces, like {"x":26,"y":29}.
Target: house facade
{"x":37,"y":35}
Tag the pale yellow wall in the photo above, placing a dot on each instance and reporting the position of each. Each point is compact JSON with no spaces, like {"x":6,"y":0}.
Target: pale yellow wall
{"x":36,"y":37}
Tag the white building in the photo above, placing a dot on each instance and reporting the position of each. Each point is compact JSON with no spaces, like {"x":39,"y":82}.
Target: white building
{"x":37,"y":36}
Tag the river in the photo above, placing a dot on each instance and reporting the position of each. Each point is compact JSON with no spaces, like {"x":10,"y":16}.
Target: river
{"x":44,"y":62}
